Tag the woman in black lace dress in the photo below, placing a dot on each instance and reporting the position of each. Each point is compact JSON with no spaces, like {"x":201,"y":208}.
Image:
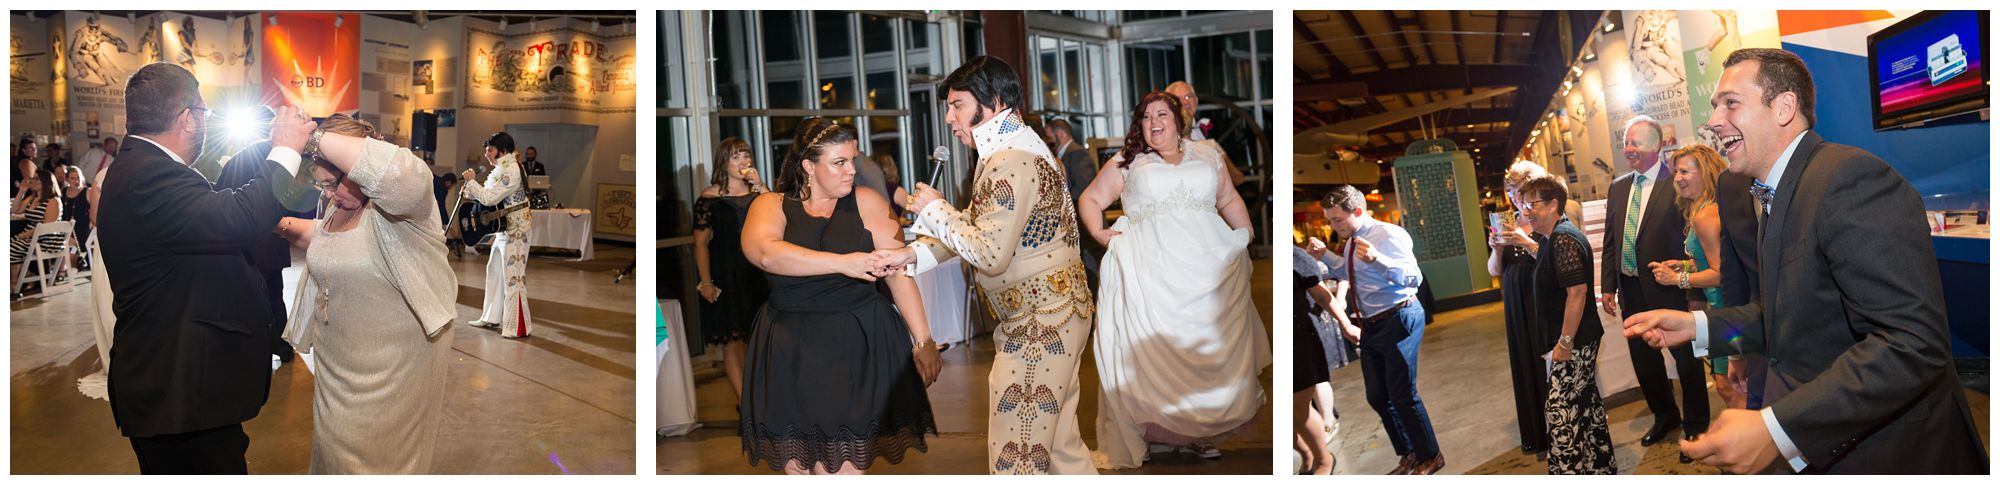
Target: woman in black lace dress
{"x":732,"y":290}
{"x":1579,"y":433}
{"x":836,"y":372}
{"x":1512,"y":259}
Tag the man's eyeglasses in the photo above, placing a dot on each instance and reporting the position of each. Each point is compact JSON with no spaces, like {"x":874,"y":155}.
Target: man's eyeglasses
{"x":1528,"y":206}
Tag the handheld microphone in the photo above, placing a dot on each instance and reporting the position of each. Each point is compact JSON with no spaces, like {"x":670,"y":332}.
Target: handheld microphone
{"x":938,"y":156}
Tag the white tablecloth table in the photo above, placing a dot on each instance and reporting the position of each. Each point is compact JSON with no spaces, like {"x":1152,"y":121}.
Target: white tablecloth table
{"x":945,"y":302}
{"x":562,"y":228}
{"x":675,"y":389}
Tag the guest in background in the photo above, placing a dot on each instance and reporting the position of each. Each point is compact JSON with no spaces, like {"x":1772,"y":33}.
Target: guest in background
{"x":1198,"y":129}
{"x":537,"y":198}
{"x":1078,"y":170}
{"x":1641,"y":225}
{"x":731,"y":289}
{"x":1309,"y":364}
{"x":25,"y":165}
{"x":1579,"y":431}
{"x":1695,"y":170}
{"x":892,"y":178}
{"x":1512,"y":259}
{"x":76,"y":207}
{"x":97,"y":158}
{"x":41,"y":201}
{"x":270,"y":254}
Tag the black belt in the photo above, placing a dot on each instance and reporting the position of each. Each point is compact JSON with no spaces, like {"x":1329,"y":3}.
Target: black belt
{"x":1385,"y":314}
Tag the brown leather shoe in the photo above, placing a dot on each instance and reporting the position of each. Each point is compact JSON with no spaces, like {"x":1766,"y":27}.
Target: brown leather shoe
{"x":1429,"y":467}
{"x":1403,"y":465}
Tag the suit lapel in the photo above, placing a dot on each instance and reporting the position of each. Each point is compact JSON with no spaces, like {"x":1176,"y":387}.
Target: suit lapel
{"x":1771,"y":240}
{"x":1659,"y":203}
{"x":1614,"y":226}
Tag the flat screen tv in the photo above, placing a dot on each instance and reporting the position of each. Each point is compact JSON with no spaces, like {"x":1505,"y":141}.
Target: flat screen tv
{"x":1929,"y":66}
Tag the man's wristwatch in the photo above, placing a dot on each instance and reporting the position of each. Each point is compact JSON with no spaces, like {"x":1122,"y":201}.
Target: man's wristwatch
{"x":925,"y":344}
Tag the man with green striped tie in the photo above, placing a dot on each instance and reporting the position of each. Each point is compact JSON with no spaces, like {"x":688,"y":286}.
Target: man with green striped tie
{"x":1642,"y":225}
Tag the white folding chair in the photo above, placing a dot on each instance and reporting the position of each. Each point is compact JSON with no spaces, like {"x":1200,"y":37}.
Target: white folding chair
{"x":46,"y":265}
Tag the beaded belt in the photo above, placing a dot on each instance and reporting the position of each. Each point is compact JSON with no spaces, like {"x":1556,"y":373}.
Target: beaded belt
{"x":1067,"y":285}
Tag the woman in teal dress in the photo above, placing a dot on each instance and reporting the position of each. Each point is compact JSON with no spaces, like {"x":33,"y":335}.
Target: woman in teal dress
{"x":1696,"y":169}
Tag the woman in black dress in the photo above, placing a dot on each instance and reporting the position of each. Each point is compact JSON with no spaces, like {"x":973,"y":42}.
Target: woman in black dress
{"x":1579,"y":433}
{"x":1512,"y":258}
{"x":1309,"y":365}
{"x":836,"y":372}
{"x":731,"y":289}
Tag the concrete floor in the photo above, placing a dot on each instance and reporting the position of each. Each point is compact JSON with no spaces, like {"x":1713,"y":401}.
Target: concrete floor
{"x":560,"y":401}
{"x":1466,"y":387}
{"x":959,"y":400}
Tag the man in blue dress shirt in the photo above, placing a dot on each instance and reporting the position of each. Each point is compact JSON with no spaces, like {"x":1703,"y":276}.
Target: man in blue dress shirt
{"x":1382,"y":270}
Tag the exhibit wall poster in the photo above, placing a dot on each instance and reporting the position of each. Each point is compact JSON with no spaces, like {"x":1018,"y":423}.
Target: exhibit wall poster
{"x":617,"y":209}
{"x":222,"y":53}
{"x":1589,"y":168}
{"x":311,"y":60}
{"x":98,"y":54}
{"x":31,"y":77}
{"x":1659,"y":86}
{"x":558,"y":67}
{"x":1709,"y":36}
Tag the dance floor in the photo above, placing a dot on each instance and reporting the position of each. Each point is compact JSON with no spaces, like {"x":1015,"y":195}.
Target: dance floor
{"x":560,"y":401}
{"x":959,"y":400}
{"x":1463,"y":376}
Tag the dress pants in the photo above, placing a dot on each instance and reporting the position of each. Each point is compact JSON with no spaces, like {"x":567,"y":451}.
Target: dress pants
{"x":1651,"y":368}
{"x":274,"y":291}
{"x":1389,"y":372}
{"x":217,"y":451}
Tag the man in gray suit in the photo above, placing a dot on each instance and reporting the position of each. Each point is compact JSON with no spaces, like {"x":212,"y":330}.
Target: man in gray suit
{"x":1850,"y":313}
{"x":1078,"y":170}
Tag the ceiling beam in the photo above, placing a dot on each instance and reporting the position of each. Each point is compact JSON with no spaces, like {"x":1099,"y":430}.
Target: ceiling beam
{"x":1458,"y":40}
{"x":1499,"y":25}
{"x":1469,"y":116}
{"x":1418,"y":79}
{"x":1549,"y":69}
{"x":1402,"y":25}
{"x":1335,"y":68}
{"x":1374,"y":53}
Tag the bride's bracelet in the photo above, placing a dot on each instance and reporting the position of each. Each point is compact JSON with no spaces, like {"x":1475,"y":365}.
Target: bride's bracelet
{"x":312,"y":144}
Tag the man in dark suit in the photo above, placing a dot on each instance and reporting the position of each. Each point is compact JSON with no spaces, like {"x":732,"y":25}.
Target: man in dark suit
{"x":1851,"y":318}
{"x":1655,"y":231}
{"x":1078,"y":170}
{"x":190,"y":359}
{"x":1739,"y":273}
{"x":271,"y":254}
{"x":538,"y":199}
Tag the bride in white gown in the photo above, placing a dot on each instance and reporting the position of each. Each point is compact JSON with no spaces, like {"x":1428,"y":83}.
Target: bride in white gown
{"x":1179,"y":343}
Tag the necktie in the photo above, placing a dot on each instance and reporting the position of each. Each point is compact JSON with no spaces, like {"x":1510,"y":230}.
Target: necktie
{"x":1353,"y":287}
{"x":1630,"y":261}
{"x":1764,"y":194}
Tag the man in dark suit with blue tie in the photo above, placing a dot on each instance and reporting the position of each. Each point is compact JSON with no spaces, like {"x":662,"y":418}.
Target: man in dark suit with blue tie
{"x":1850,"y":312}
